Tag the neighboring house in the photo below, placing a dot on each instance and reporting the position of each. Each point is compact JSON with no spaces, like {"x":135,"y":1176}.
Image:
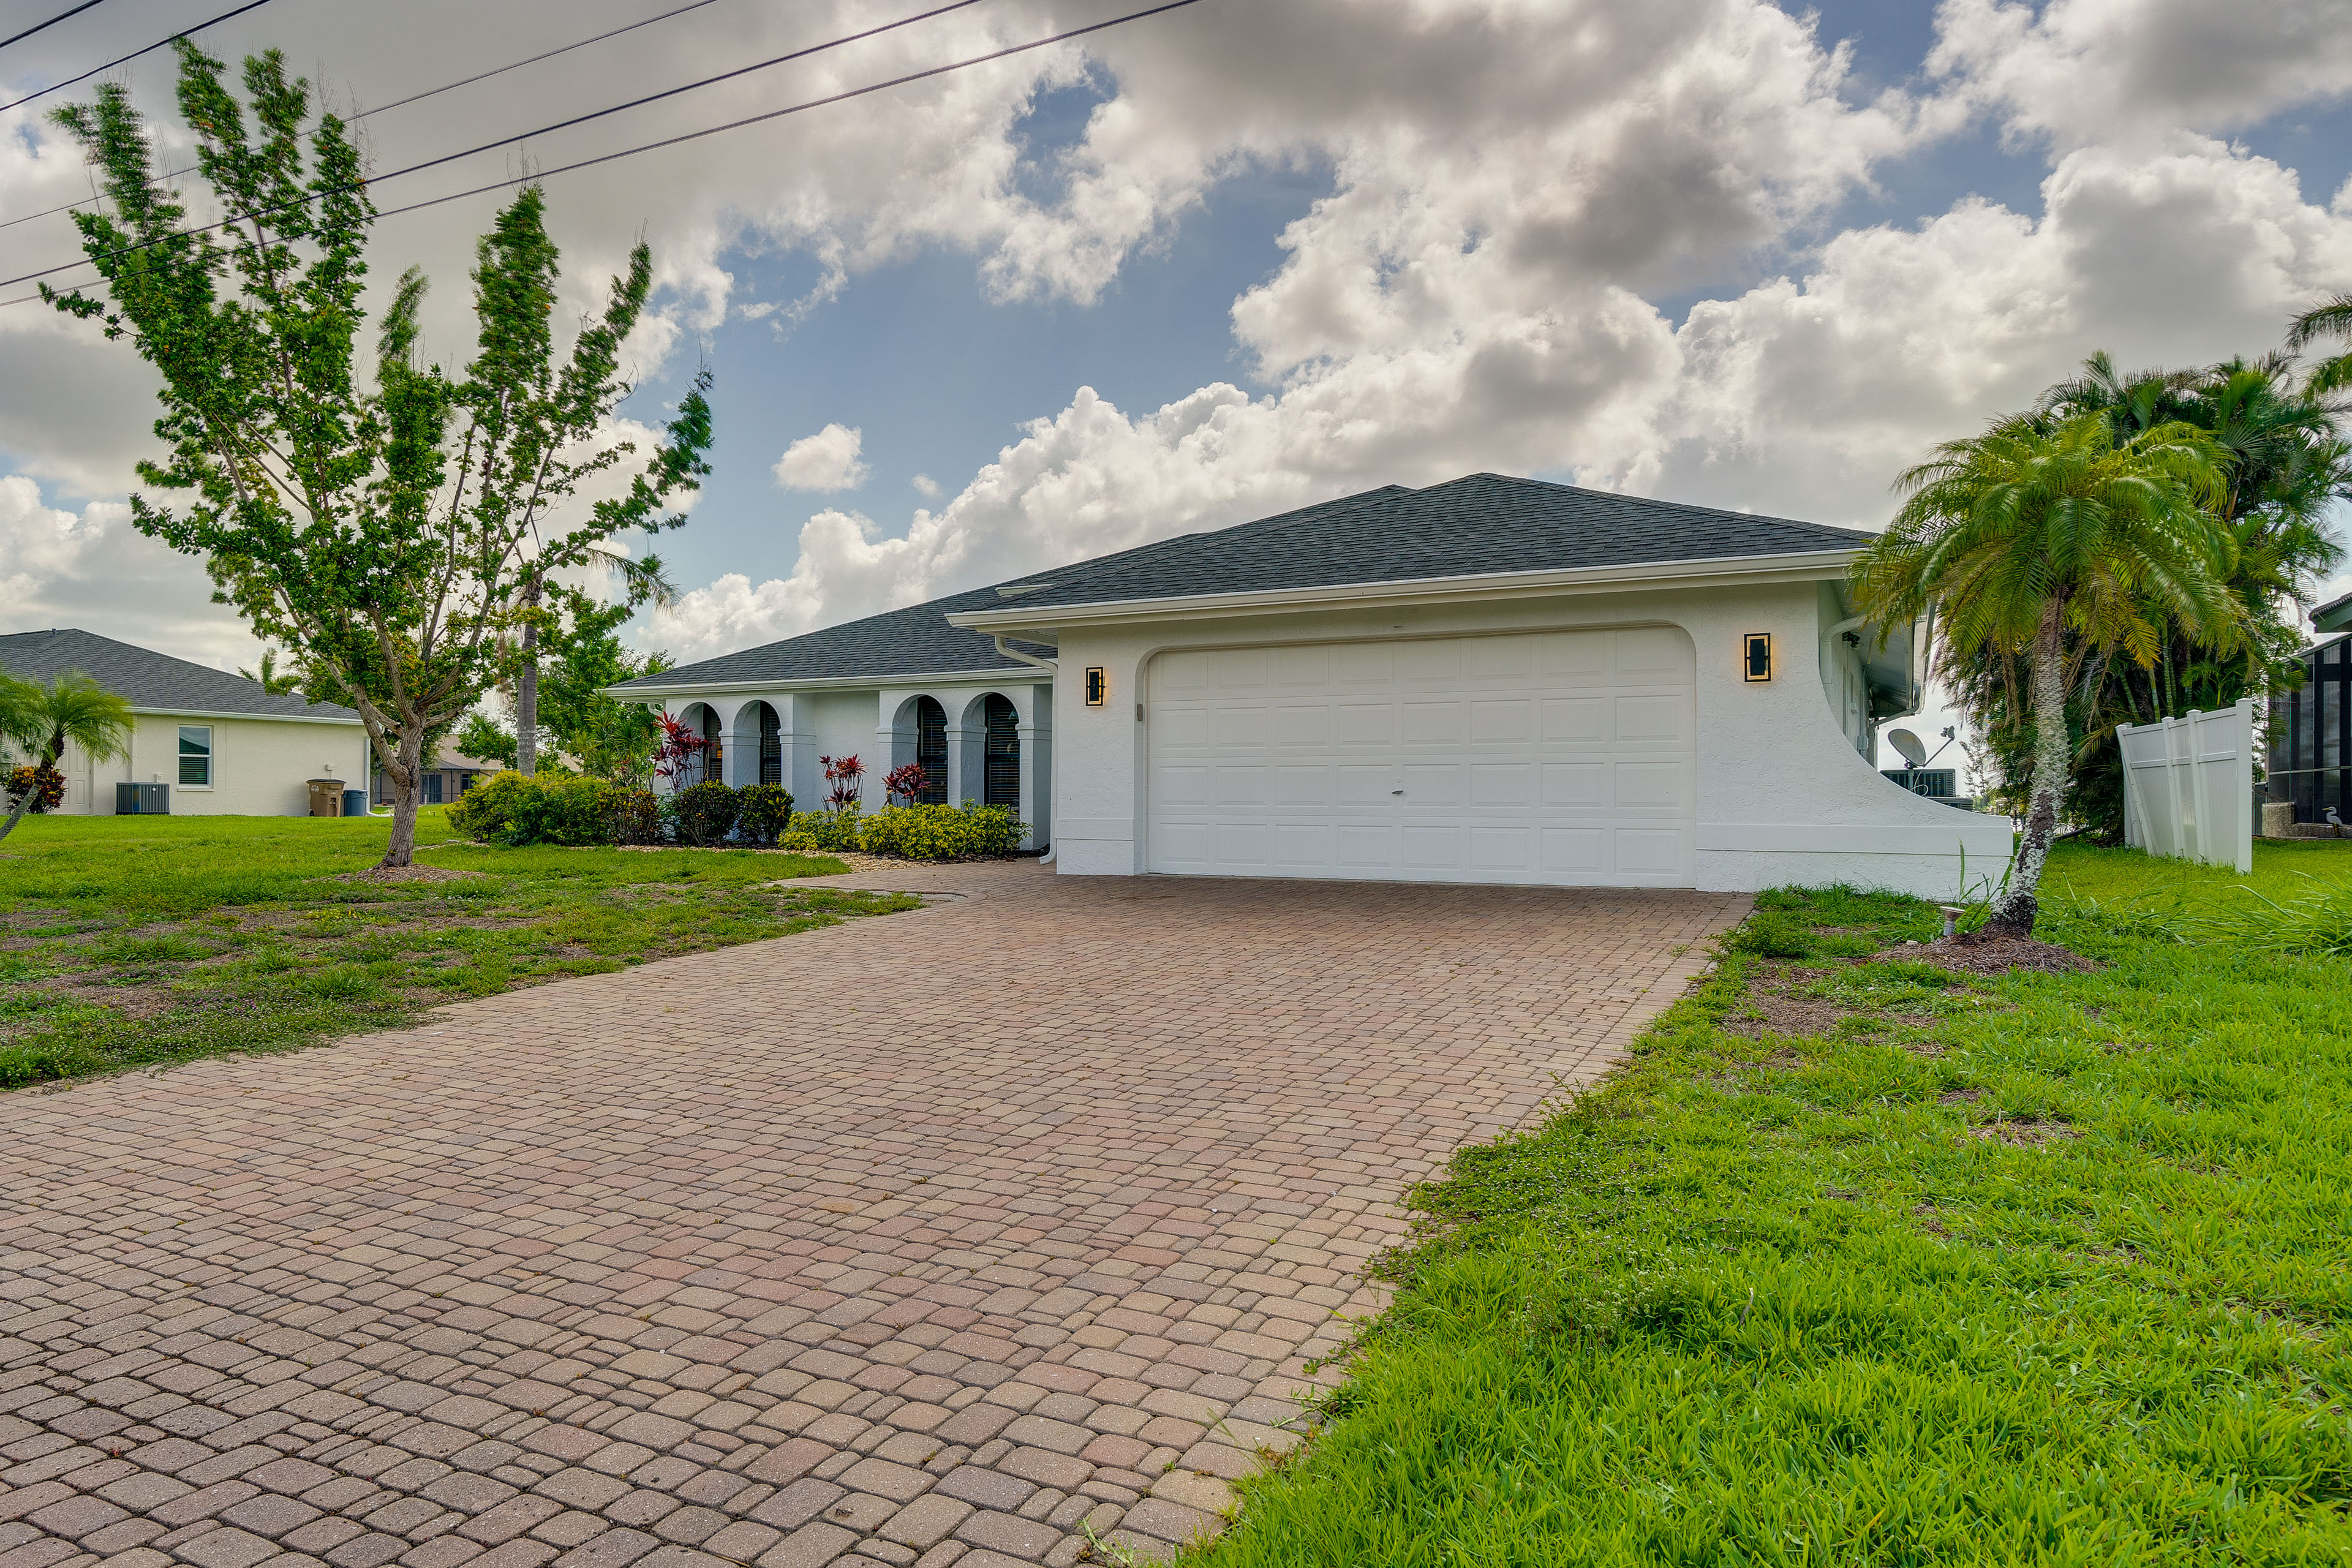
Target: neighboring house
{"x":226,"y":745}
{"x":449,"y":776}
{"x":1487,"y":680}
{"x":2311,"y":729}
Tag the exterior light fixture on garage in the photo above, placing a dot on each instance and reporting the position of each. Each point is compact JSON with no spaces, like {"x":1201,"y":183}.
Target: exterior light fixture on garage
{"x":1756,"y":659}
{"x":1097,"y":686}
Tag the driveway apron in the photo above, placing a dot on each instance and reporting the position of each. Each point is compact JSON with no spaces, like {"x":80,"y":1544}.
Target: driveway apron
{"x":970,"y":1236}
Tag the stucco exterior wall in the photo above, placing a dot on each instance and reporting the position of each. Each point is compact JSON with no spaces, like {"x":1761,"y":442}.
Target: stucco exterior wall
{"x":261,"y":767}
{"x":1784,"y":796}
{"x":874,"y":722}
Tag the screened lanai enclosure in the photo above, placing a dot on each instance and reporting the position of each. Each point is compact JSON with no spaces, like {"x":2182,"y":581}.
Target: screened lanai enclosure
{"x":2310,"y":762}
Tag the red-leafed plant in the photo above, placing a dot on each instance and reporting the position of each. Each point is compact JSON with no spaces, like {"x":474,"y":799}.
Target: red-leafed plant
{"x":906,"y":784}
{"x":678,"y":752}
{"x":843,"y":779}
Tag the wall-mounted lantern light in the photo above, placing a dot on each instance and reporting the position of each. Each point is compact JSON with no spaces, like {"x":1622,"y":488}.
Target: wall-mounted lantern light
{"x":1757,"y":661}
{"x":1097,"y":686}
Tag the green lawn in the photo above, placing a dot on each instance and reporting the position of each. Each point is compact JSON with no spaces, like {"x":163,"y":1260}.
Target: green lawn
{"x":132,"y":940}
{"x":2048,"y":1268}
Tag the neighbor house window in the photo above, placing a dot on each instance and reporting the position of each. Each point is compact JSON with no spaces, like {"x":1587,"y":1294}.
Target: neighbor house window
{"x":196,"y":754}
{"x":431,"y":789}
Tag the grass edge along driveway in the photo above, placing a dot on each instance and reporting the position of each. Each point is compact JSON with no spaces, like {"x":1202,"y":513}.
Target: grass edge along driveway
{"x":140,"y":941}
{"x":1857,"y":1265}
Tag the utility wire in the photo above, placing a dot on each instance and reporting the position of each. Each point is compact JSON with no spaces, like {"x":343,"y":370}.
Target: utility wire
{"x":1004,"y":52}
{"x":397,"y":103}
{"x":126,"y":59}
{"x":52,"y":22}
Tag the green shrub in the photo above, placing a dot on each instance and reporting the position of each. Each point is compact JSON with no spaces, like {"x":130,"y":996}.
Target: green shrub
{"x":766,"y":812}
{"x":482,"y":810}
{"x":565,"y":809}
{"x":825,"y":832}
{"x":942,"y":832}
{"x":636,"y":817}
{"x":706,"y":813}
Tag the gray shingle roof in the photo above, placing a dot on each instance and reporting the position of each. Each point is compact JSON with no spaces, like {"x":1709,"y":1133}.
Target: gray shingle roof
{"x":145,"y":679}
{"x":1480,"y":524}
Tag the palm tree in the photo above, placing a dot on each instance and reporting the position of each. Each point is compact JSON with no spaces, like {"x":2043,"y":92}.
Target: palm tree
{"x":43,"y":719}
{"x":2332,"y":320}
{"x":268,"y":678}
{"x":640,"y":580}
{"x":2033,"y":530}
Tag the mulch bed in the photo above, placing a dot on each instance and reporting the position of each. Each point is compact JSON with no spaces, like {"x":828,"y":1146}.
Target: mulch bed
{"x":1982,"y":952}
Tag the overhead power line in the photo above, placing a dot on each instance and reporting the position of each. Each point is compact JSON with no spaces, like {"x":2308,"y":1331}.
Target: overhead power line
{"x":126,"y":59}
{"x":843,"y":97}
{"x":52,"y":22}
{"x":397,"y":103}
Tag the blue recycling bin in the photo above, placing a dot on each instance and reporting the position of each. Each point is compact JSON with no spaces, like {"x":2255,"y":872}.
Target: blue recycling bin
{"x":355,"y":802}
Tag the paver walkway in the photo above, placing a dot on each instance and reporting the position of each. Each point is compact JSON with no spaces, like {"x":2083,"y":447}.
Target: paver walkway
{"x":944,"y":1237}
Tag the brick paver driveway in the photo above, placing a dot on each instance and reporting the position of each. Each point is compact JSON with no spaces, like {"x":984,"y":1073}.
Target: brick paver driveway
{"x":950,"y":1236}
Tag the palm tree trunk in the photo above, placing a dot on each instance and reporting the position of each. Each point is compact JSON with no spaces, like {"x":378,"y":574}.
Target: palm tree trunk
{"x":527,"y":689}
{"x":2014,"y":914}
{"x":46,"y":761}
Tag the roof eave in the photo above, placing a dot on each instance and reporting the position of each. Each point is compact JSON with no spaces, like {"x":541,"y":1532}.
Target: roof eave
{"x":816,"y":682}
{"x":1797,"y":566}
{"x":230,"y":713}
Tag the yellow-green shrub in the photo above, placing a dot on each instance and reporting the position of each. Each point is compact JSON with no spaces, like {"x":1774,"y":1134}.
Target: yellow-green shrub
{"x":482,"y":810}
{"x":822,"y":832}
{"x":942,"y":832}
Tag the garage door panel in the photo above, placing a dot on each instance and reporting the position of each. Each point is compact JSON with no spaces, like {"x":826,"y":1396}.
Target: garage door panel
{"x":1505,"y":784}
{"x":1576,"y":786}
{"x":1182,"y":786}
{"x":1653,"y":851}
{"x":1303,"y":784}
{"x":1366,"y":784}
{"x":1579,"y":851}
{"x":1365,"y":847}
{"x":1502,"y":720}
{"x":1650,"y":785}
{"x":1430,"y":848}
{"x":1576,"y":720}
{"x":1652,"y":651}
{"x":1432,"y":786}
{"x":1303,"y":846}
{"x":1573,"y":657}
{"x":1297,"y":724}
{"x":1296,"y":668}
{"x":1562,"y":757}
{"x":1433,"y":723}
{"x":1655,"y":718}
{"x":1237,"y":669}
{"x":1366,"y":723}
{"x":1243,"y":786}
{"x":1502,"y":848}
{"x":1180,"y":674}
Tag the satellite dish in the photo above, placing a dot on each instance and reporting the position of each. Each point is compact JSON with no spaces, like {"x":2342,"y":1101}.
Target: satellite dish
{"x":1907,"y":743}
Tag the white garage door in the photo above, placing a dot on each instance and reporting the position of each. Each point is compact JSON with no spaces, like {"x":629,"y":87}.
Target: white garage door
{"x":1556,"y":757}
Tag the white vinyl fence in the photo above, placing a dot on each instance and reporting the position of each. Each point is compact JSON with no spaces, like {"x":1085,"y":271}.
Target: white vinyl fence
{"x":2188,"y":787}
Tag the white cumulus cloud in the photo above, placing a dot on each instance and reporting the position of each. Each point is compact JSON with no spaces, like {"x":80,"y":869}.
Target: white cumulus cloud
{"x":827,"y":460}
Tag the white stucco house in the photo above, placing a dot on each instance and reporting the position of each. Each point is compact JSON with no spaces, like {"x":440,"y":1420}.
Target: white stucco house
{"x":225,"y":746}
{"x":1493,"y":679}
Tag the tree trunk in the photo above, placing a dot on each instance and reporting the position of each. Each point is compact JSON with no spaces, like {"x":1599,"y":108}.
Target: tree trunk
{"x":407,"y":776}
{"x":46,"y":760}
{"x":527,"y":687}
{"x":2014,"y":914}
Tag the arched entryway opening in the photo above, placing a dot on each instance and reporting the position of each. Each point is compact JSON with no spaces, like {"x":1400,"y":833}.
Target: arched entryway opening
{"x":931,"y":749}
{"x":1000,"y":752}
{"x":771,"y":745}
